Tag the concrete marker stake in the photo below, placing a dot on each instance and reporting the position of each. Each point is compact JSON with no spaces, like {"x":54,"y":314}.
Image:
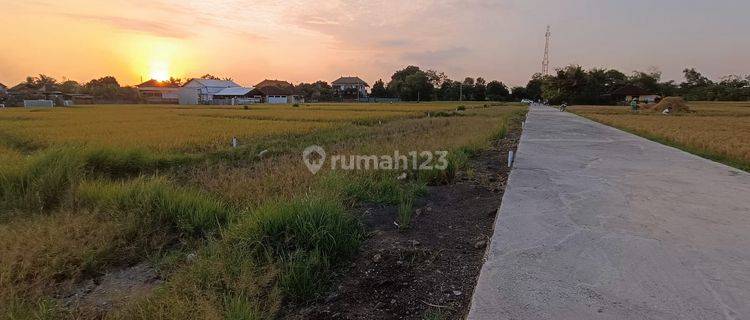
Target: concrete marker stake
{"x":510,"y":158}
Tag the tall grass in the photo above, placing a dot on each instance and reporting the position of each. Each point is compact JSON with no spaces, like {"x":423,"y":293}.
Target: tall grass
{"x":154,"y":202}
{"x":282,"y":251}
{"x":46,"y":180}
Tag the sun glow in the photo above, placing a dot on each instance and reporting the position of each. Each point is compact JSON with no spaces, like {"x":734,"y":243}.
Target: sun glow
{"x":159,"y":70}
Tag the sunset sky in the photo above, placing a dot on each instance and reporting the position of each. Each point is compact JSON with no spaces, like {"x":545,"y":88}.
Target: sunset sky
{"x":299,"y":40}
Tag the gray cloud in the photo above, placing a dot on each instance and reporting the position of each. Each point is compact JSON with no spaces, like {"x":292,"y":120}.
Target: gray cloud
{"x":435,"y":56}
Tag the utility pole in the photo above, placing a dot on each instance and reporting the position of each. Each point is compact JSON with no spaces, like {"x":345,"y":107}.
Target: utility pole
{"x":545,"y":61}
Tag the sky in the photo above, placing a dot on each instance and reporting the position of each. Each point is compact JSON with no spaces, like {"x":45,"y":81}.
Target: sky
{"x":305,"y":41}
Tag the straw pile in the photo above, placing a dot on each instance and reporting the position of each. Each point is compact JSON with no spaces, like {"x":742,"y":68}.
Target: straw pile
{"x":677,"y":104}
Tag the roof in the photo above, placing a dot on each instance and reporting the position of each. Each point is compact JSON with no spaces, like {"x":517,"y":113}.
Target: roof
{"x":233,"y":91}
{"x":274,"y":83}
{"x":350,"y":80}
{"x":631,"y":90}
{"x":158,"y":84}
{"x":2,"y":86}
{"x":214,"y":83}
{"x":276,"y":91}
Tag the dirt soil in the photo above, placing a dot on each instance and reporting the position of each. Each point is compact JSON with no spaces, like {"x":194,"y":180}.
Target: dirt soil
{"x":428,"y":271}
{"x":95,"y":297}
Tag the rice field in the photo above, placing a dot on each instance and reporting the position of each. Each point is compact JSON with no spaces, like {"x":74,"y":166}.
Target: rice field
{"x":88,"y":190}
{"x":715,"y":130}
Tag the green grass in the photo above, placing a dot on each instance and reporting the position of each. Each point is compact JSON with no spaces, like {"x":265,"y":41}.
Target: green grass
{"x":280,"y":251}
{"x":155,"y":202}
{"x":45,"y":181}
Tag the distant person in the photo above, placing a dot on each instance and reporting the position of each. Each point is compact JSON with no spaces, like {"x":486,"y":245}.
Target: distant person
{"x":634,"y":105}
{"x":563,"y":106}
{"x":667,"y":111}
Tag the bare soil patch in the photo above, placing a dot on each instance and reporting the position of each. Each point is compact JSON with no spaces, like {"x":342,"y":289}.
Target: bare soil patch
{"x":430,"y":270}
{"x":95,"y":297}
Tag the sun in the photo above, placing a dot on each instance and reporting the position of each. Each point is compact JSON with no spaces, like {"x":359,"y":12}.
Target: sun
{"x":159,"y":70}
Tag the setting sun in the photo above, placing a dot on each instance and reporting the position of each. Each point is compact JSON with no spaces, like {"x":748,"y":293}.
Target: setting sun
{"x":159,"y":70}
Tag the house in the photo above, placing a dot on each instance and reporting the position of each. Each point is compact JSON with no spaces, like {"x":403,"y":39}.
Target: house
{"x":276,"y":92}
{"x":3,"y":89}
{"x":274,"y":83}
{"x":350,"y":87}
{"x":630,"y":92}
{"x":235,"y":96}
{"x":24,"y":91}
{"x":204,"y":91}
{"x":275,"y":95}
{"x":153,"y":91}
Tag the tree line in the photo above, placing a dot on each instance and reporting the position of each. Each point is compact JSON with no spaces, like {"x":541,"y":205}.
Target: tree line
{"x":413,"y":84}
{"x":103,"y":89}
{"x":574,"y":85}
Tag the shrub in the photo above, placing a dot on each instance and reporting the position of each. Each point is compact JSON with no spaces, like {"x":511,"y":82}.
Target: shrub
{"x":309,"y":223}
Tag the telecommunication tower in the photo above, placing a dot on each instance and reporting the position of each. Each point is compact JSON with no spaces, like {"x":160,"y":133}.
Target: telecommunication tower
{"x":545,"y":61}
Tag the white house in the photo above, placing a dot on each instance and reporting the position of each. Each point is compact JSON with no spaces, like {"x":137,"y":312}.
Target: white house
{"x":154,"y":91}
{"x":353,"y":86}
{"x":630,"y":92}
{"x":204,"y":91}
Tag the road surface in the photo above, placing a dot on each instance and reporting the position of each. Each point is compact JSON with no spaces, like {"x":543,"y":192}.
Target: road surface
{"x":597,"y":223}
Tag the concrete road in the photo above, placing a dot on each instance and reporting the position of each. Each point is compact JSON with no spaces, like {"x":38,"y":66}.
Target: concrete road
{"x":597,"y":223}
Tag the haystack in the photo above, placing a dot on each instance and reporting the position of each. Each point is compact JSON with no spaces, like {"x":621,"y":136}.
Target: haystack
{"x":677,"y":104}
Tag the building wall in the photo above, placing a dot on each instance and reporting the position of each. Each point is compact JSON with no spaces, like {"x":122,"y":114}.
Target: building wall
{"x":189,"y":95}
{"x":277,"y":99}
{"x":647,"y":98}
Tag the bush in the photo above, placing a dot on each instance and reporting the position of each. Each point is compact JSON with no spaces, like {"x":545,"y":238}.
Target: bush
{"x":310,"y":223}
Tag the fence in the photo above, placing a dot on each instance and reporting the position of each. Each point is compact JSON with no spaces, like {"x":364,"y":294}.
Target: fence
{"x":233,"y":101}
{"x":38,"y":103}
{"x":379,"y":100}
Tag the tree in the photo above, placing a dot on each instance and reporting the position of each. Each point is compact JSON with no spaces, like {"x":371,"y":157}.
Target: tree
{"x":734,"y":81}
{"x":534,"y":87}
{"x":411,"y":84}
{"x":694,"y":79}
{"x":378,"y":89}
{"x":566,"y":86}
{"x":436,"y":78}
{"x":480,"y":89}
{"x":209,"y":76}
{"x":449,"y":90}
{"x":45,"y":81}
{"x":497,"y":91}
{"x":518,"y":93}
{"x":105,"y":88}
{"x":174,"y":81}
{"x":70,"y":86}
{"x":318,"y":91}
{"x":646,"y":80}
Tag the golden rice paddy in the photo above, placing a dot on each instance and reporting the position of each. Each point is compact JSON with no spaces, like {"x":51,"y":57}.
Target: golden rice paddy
{"x":715,"y":130}
{"x":178,"y":128}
